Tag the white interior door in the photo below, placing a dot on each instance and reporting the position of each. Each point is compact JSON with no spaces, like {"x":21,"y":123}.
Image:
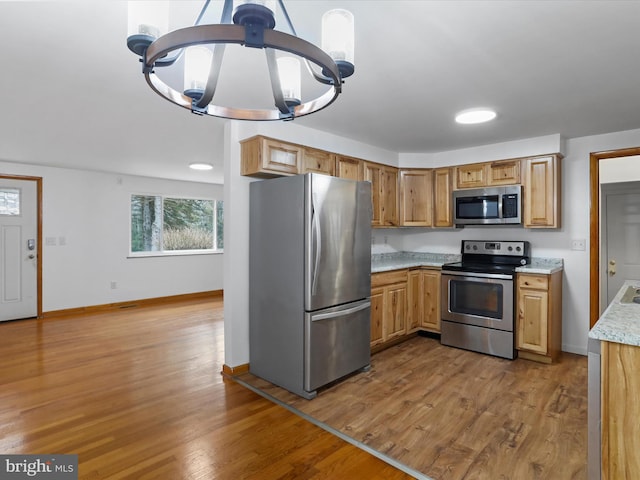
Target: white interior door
{"x":622,"y":260}
{"x":18,"y":249}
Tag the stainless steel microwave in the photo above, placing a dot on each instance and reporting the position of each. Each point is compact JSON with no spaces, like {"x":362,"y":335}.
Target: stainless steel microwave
{"x":488,"y":206}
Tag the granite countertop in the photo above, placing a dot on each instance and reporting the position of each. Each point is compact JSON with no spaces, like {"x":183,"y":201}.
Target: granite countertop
{"x":545,"y":266}
{"x":384,"y":262}
{"x":620,"y":322}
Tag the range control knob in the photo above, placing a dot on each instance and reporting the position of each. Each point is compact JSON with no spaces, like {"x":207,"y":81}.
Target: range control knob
{"x":510,"y":248}
{"x":475,"y":247}
{"x":518,"y":249}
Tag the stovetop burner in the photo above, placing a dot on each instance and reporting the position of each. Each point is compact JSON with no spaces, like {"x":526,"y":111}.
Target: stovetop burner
{"x":479,"y":267}
{"x":491,"y":256}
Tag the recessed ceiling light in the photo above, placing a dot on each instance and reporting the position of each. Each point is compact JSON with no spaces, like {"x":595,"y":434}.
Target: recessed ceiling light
{"x":475,"y":115}
{"x":201,"y":166}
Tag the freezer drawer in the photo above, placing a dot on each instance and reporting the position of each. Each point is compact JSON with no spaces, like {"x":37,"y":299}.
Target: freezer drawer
{"x":336,"y":343}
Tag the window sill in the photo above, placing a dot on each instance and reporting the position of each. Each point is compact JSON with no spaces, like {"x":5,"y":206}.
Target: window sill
{"x":176,"y":253}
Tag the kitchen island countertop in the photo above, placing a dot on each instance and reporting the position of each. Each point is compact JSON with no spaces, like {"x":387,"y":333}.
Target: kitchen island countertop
{"x":384,"y":262}
{"x":620,"y":322}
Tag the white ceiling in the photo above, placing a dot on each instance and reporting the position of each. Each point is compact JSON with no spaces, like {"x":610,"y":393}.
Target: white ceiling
{"x":72,"y":95}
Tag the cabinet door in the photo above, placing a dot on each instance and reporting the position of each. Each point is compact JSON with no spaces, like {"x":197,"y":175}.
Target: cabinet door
{"x":389,"y":198}
{"x":265,"y":157}
{"x":373,"y":174}
{"x":414,"y":300}
{"x":471,"y":176}
{"x":416,"y":198}
{"x":318,"y":161}
{"x":377,"y":316}
{"x":541,"y":192}
{"x":504,"y":173}
{"x":280,"y":157}
{"x":442,"y":212}
{"x":347,"y":167}
{"x":431,"y":300}
{"x":533,"y":320}
{"x":395,"y":311}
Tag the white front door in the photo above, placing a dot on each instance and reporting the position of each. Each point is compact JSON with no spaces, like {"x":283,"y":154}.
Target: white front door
{"x":621,"y":205}
{"x":18,"y":249}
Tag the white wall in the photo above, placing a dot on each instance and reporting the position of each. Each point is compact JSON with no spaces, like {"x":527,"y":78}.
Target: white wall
{"x":91,"y":211}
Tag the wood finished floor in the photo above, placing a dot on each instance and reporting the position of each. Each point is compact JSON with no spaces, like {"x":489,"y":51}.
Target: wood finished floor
{"x":454,"y":414}
{"x":137,"y":394}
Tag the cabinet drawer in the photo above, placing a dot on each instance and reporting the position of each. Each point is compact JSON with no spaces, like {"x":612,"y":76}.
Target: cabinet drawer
{"x":540,"y":282}
{"x":388,"y":278}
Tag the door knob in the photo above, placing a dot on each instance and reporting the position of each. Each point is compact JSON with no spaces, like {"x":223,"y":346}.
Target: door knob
{"x":32,"y":256}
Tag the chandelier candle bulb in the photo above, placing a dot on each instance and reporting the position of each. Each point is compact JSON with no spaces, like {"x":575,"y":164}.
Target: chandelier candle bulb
{"x":338,"y":38}
{"x":197,"y":63}
{"x":289,"y":72}
{"x":147,"y":21}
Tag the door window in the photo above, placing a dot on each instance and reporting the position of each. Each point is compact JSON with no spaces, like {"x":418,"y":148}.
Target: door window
{"x":9,"y":201}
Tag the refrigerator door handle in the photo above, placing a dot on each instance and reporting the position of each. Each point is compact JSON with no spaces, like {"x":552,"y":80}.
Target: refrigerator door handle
{"x":340,"y":313}
{"x":317,"y":244}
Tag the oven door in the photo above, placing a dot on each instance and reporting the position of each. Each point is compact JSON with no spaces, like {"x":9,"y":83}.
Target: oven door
{"x":480,"y":299}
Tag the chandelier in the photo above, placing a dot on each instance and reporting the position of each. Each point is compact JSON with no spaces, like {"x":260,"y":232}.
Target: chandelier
{"x":200,"y":50}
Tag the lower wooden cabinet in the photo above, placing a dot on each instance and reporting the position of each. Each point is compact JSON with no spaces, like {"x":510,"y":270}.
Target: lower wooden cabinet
{"x":620,"y":410}
{"x":388,"y":306}
{"x":423,"y":296}
{"x":539,"y":319}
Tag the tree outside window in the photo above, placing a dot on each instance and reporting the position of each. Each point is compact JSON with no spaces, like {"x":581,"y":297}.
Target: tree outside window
{"x":170,"y":224}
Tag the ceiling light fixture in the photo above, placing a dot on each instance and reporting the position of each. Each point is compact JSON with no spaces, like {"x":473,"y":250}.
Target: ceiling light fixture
{"x":201,"y":166}
{"x":475,"y":115}
{"x":252,"y":25}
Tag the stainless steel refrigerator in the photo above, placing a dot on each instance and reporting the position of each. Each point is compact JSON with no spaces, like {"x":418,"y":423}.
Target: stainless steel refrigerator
{"x":309,"y":280}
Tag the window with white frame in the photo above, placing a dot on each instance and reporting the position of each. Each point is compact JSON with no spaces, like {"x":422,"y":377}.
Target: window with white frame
{"x":163,"y":224}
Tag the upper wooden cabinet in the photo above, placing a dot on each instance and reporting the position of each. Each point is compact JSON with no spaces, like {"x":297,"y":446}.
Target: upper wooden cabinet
{"x":541,"y":185}
{"x":384,"y":193}
{"x":348,"y":167}
{"x":506,"y":172}
{"x":471,"y":176}
{"x":318,"y":161}
{"x":416,"y":198}
{"x":265,"y":157}
{"x":475,"y":175}
{"x":442,"y":209}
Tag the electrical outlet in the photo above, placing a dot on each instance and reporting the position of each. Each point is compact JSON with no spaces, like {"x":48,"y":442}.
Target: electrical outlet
{"x":579,"y":244}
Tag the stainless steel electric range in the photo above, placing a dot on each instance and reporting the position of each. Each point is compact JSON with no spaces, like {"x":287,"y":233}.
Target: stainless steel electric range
{"x":478,"y":297}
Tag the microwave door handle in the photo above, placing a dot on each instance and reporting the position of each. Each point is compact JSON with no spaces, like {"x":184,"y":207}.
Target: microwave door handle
{"x":501,"y":205}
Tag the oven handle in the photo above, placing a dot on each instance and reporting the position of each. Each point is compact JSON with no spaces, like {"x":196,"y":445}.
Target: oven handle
{"x":478,"y":275}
